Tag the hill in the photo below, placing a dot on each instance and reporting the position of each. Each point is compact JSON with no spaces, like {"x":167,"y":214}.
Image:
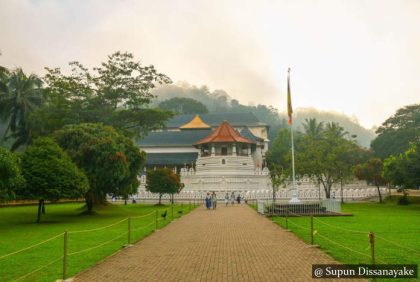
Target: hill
{"x":219,"y":101}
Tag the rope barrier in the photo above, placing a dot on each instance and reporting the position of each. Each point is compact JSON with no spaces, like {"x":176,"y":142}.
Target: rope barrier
{"x":142,"y":227}
{"x":38,"y":269}
{"x":338,"y":244}
{"x":398,"y":245}
{"x":297,"y":225}
{"x":97,"y":246}
{"x":341,"y":228}
{"x":96,"y":229}
{"x":141,"y":216}
{"x":30,"y":247}
{"x":85,"y":250}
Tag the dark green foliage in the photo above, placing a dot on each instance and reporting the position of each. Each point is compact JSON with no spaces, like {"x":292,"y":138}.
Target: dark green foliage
{"x":404,"y":170}
{"x":397,"y":132}
{"x":279,"y":156}
{"x":50,"y":174}
{"x":111,"y":161}
{"x":372,"y":172}
{"x":20,"y":96}
{"x":163,"y":181}
{"x":10,"y":175}
{"x":116,"y":93}
{"x":403,"y":200}
{"x":183,"y":106}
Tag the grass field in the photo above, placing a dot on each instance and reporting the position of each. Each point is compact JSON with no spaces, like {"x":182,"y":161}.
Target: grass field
{"x":397,"y":230}
{"x":18,"y":230}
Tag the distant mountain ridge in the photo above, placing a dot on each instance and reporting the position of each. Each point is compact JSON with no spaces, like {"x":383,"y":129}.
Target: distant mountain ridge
{"x":219,"y":101}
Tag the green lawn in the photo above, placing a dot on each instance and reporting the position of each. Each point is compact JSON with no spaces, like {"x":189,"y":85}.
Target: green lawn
{"x":397,"y":230}
{"x":18,"y":230}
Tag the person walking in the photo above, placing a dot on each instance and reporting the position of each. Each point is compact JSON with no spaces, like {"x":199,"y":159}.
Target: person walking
{"x":238,"y":198}
{"x":208,"y":201}
{"x":232,"y":198}
{"x":214,"y":200}
{"x":227,"y":199}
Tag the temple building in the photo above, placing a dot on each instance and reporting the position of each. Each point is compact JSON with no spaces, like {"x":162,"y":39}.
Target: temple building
{"x":227,"y":161}
{"x":212,"y":152}
{"x":174,"y":146}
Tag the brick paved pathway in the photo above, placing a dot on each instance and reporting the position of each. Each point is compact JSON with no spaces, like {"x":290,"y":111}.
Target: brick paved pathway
{"x":228,"y":244}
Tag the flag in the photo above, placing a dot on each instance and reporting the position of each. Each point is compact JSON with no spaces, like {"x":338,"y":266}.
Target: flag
{"x":289,"y":99}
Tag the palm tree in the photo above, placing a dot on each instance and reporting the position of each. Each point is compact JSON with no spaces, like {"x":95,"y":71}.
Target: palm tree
{"x":19,"y":96}
{"x":336,"y":130}
{"x":313,"y":128}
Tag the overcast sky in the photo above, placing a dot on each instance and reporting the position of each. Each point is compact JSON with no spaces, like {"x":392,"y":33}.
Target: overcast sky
{"x":361,"y":58}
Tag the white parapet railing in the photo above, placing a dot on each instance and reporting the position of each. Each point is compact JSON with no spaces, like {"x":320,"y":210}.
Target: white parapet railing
{"x":260,"y":207}
{"x":304,"y":207}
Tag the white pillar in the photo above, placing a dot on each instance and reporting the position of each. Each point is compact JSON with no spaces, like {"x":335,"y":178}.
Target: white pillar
{"x":249,"y":150}
{"x":213,"y":150}
{"x":234,"y":149}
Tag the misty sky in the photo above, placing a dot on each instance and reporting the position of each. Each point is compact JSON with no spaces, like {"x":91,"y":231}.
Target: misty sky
{"x":361,"y":58}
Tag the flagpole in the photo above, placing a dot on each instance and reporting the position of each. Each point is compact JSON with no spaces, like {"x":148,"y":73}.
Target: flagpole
{"x":294,"y":198}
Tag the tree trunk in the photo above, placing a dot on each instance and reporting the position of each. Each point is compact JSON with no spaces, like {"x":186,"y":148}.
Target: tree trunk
{"x":89,"y":200}
{"x":341,"y":191}
{"x":43,"y":207}
{"x":327,"y":189}
{"x":379,"y":193}
{"x":160,"y":198}
{"x":319,"y":191}
{"x":389,"y":190}
{"x":40,"y":203}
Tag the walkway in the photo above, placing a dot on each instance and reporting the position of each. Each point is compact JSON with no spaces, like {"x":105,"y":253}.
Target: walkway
{"x":228,"y":244}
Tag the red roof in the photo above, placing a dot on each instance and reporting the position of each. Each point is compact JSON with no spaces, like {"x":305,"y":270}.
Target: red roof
{"x":223,"y":134}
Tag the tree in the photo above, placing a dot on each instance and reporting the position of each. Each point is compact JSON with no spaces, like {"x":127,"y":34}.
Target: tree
{"x":397,"y":132}
{"x":371,"y":171}
{"x":10,"y":172}
{"x":278,"y":178}
{"x":20,"y":95}
{"x":50,"y":174}
{"x":404,"y":170}
{"x":326,"y":157}
{"x":117,"y":93}
{"x":111,"y":161}
{"x":163,"y":181}
{"x":313,"y":128}
{"x":279,"y":158}
{"x":183,"y":106}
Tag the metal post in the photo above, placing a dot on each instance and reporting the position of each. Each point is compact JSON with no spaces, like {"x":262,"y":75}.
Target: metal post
{"x":65,"y":256}
{"x":372,"y":246}
{"x":129,"y":231}
{"x":156,"y":227}
{"x":312,"y":229}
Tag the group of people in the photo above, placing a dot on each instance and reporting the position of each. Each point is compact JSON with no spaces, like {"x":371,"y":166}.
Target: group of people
{"x":211,"y":199}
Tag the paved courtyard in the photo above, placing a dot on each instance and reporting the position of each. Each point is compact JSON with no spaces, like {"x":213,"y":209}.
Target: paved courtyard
{"x":228,"y":244}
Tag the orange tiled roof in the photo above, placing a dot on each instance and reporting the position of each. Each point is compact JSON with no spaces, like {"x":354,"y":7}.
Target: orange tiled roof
{"x":224,"y":133}
{"x":196,"y":122}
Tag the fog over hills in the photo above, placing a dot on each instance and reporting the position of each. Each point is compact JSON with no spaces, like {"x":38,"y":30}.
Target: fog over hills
{"x":220,"y":101}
